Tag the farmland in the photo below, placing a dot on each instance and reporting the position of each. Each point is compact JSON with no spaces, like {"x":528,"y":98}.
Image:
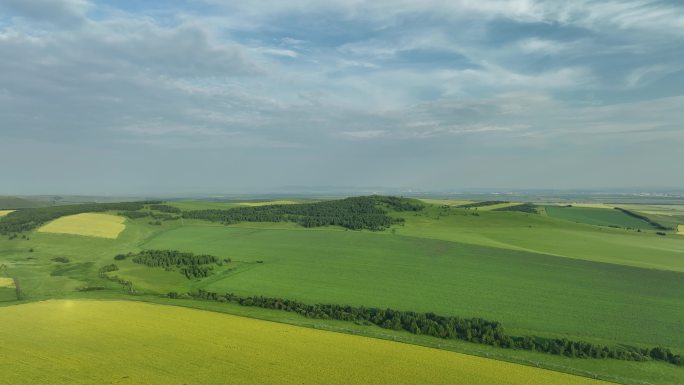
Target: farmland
{"x":410,"y":273}
{"x":225,"y":349}
{"x":596,"y":216}
{"x":536,"y":274}
{"x":5,"y":212}
{"x":87,"y":224}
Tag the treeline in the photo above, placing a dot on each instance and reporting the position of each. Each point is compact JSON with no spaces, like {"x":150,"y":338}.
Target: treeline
{"x":127,"y":285}
{"x":480,"y":204}
{"x":643,"y":218}
{"x":354,"y":213}
{"x":165,"y":208}
{"x":476,"y":330}
{"x":134,"y":214}
{"x":189,"y":264}
{"x":28,"y":219}
{"x":524,"y":207}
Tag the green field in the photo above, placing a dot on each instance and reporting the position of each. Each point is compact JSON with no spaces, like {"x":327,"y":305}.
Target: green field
{"x":67,"y":342}
{"x":411,"y":273}
{"x":537,"y":274}
{"x":597,"y":216}
{"x":547,"y":235}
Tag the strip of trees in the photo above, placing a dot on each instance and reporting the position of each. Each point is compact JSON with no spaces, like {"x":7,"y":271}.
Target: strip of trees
{"x":127,"y":285}
{"x":529,"y":208}
{"x":480,"y":204}
{"x":28,"y":219}
{"x":644,"y":218}
{"x":165,"y":208}
{"x":475,"y":330}
{"x":189,"y":264}
{"x":356,"y":213}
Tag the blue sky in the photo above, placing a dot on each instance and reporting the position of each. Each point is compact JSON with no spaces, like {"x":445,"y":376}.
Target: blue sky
{"x":144,"y":97}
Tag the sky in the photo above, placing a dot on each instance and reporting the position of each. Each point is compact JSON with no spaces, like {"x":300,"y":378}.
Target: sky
{"x":208,"y":96}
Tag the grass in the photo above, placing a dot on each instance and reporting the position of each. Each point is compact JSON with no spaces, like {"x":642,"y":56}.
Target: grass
{"x":547,"y":235}
{"x":6,"y":282}
{"x":66,"y":342}
{"x":5,"y":212}
{"x":87,"y":224}
{"x":597,"y":216}
{"x":537,"y":274}
{"x":570,"y":297}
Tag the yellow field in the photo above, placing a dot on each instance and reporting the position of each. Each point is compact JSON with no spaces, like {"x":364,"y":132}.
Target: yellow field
{"x":88,"y":224}
{"x":680,"y":229}
{"x":265,"y":203}
{"x":6,"y":282}
{"x":119,"y":342}
{"x":5,"y":212}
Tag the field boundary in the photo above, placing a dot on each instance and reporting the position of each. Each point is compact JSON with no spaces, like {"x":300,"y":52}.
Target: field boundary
{"x":480,"y":353}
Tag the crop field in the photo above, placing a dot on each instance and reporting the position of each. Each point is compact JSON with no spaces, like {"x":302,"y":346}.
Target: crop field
{"x":412,"y":273}
{"x":7,"y":289}
{"x":67,"y":342}
{"x":597,"y":216}
{"x":680,"y":229}
{"x":547,"y":235}
{"x":87,"y":224}
{"x":536,"y":274}
{"x":667,"y":215}
{"x":5,"y":212}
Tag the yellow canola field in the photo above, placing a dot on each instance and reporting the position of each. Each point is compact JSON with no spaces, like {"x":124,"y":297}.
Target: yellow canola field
{"x":118,"y":342}
{"x":5,"y":212}
{"x":680,"y":229}
{"x":87,"y":224}
{"x":6,"y":282}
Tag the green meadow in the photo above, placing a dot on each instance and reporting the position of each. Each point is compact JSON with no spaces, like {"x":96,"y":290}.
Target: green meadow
{"x":546,"y":275}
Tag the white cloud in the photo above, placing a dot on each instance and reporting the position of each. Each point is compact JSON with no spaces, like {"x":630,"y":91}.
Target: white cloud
{"x":368,"y":134}
{"x":51,"y":11}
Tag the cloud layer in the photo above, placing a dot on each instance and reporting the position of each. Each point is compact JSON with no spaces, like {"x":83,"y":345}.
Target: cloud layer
{"x":213,"y":96}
